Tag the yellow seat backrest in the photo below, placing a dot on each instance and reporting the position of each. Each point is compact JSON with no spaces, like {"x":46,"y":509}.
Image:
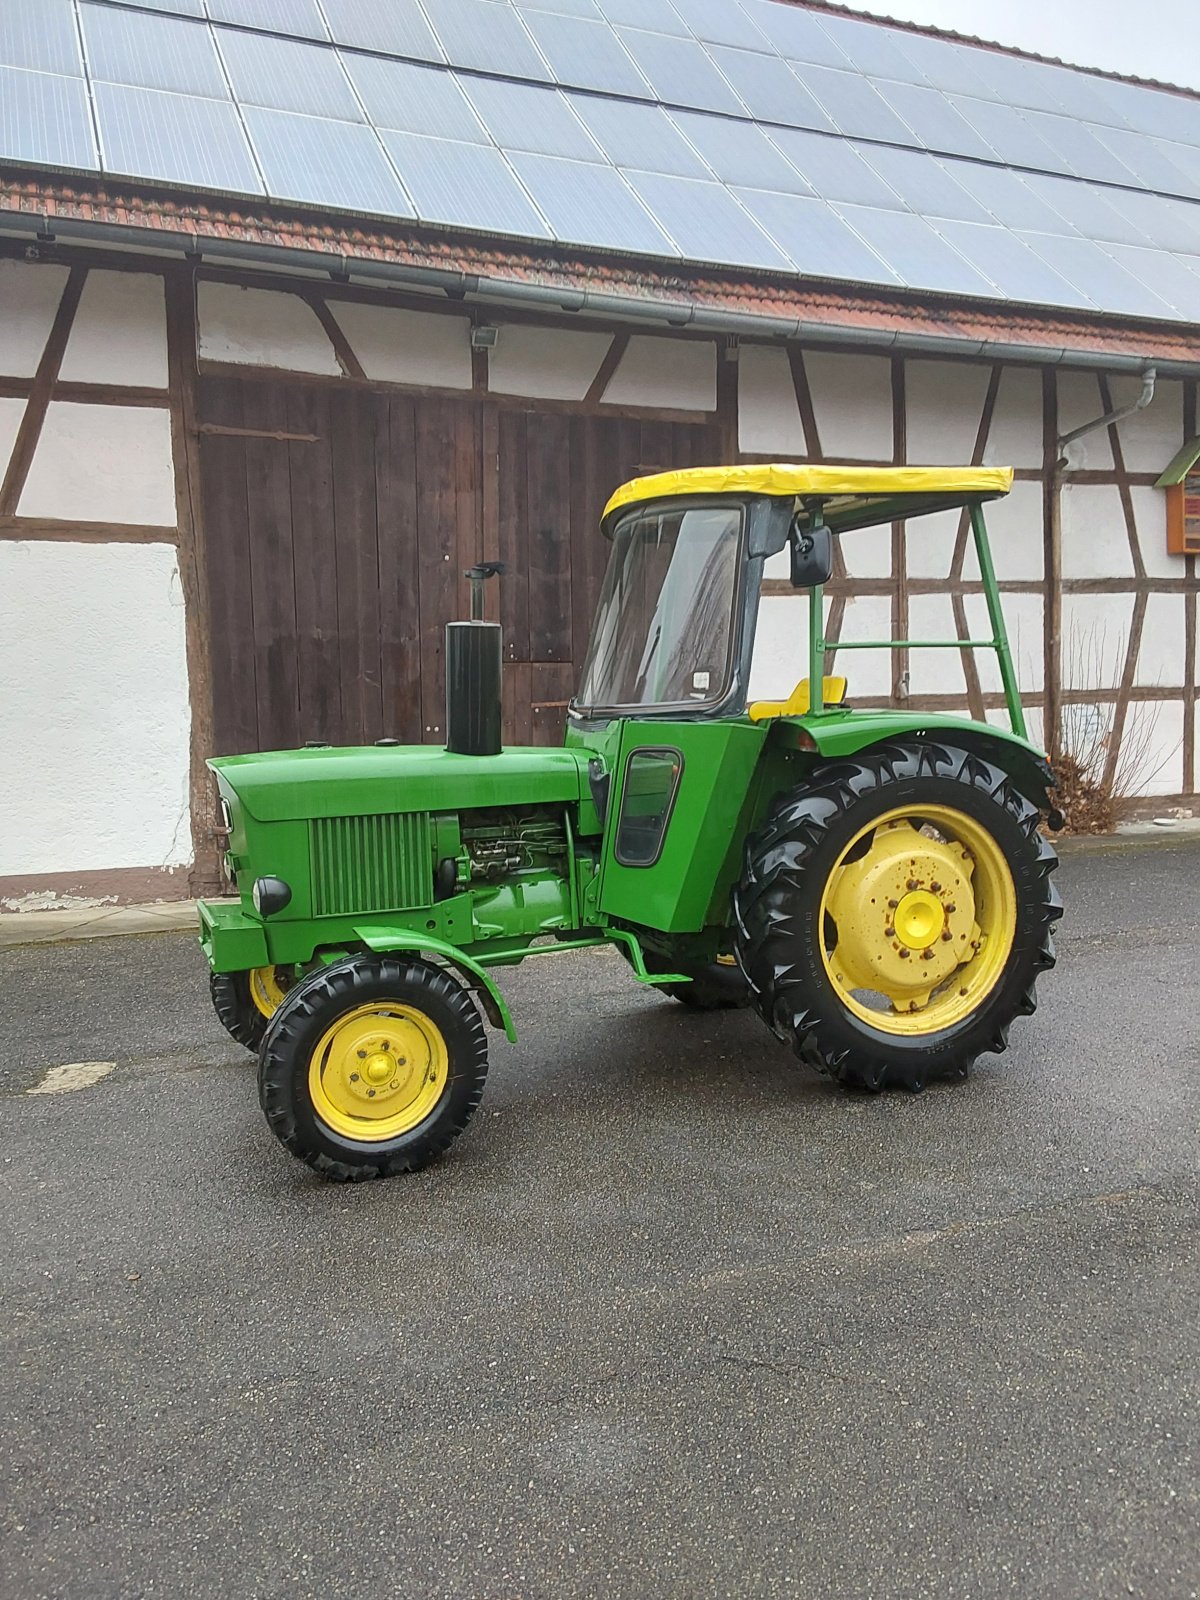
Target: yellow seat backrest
{"x":796,"y":704}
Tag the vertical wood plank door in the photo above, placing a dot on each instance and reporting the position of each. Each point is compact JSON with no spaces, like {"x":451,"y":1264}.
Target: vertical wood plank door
{"x":339,"y":523}
{"x":555,"y":475}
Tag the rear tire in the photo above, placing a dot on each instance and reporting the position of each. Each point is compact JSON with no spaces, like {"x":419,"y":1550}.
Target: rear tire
{"x":372,"y":1066}
{"x":814,"y":978}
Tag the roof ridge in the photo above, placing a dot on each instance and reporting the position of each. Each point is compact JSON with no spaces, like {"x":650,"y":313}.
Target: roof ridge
{"x":930,"y":30}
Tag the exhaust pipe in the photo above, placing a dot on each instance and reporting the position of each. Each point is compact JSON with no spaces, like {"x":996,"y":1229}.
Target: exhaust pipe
{"x":474,"y":664}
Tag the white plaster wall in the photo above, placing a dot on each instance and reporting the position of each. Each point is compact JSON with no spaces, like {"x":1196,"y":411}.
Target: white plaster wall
{"x":1094,"y":639}
{"x":1079,"y":401}
{"x":120,"y":331}
{"x":103,"y":464}
{"x":546,"y":363}
{"x":768,"y":415}
{"x":929,"y":545}
{"x":852,"y":403}
{"x":398,"y":346}
{"x":869,"y":671}
{"x":868,"y":552}
{"x":1150,"y":437}
{"x":29,"y":296}
{"x":931,"y":616}
{"x":1095,"y":543}
{"x":944,"y":404}
{"x":262,"y":328}
{"x":1161,"y":656}
{"x":1015,"y":533}
{"x":780,"y":646}
{"x":679,"y":374}
{"x":11,"y":412}
{"x":1015,"y":436}
{"x":1152,"y":749}
{"x":94,"y":715}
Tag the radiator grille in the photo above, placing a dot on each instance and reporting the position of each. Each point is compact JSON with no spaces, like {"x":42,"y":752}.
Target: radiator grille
{"x":378,"y":863}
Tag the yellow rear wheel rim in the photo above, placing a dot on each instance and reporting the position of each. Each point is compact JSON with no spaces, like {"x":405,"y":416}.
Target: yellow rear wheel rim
{"x":918,"y":918}
{"x":266,"y":991}
{"x":378,"y":1071}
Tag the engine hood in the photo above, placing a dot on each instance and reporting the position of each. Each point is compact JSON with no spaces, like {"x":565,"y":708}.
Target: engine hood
{"x":283,"y":785}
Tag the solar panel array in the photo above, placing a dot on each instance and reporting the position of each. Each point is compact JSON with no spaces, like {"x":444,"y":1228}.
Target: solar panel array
{"x":743,"y":133}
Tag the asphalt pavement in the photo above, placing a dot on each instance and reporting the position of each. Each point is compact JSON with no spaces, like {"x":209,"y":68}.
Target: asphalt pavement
{"x":676,"y":1317}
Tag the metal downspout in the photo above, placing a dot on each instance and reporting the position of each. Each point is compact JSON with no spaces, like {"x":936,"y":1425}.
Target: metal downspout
{"x":1149,"y":375}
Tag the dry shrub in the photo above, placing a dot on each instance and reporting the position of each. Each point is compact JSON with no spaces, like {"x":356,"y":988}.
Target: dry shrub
{"x":1090,"y":784}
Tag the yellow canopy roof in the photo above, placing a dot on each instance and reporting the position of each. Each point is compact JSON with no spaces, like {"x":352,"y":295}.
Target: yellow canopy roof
{"x":779,"y":478}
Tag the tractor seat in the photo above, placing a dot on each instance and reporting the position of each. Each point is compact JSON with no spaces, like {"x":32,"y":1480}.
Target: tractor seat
{"x":796,"y":704}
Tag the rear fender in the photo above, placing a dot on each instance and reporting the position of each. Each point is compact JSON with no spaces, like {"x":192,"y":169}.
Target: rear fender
{"x":387,"y":941}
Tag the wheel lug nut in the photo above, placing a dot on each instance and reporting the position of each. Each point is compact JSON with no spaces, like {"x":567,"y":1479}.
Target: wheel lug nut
{"x":905,"y":955}
{"x":951,"y":909}
{"x":371,"y":1093}
{"x":362,"y":1055}
{"x":935,"y":888}
{"x":913,"y":883}
{"x":354,"y":1077}
{"x":889,"y":933}
{"x":892,"y":904}
{"x":927,"y":955}
{"x":946,"y":935}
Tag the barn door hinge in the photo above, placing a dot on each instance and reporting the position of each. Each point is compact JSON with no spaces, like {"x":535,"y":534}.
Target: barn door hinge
{"x":258,"y":433}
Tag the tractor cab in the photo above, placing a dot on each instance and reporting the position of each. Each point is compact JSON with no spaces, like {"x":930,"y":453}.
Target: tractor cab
{"x":667,"y":694}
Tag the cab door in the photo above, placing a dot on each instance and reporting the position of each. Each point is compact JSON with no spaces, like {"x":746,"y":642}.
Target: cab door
{"x":675,"y":821}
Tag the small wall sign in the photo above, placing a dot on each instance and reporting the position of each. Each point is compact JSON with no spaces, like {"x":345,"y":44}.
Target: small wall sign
{"x":1181,"y":481}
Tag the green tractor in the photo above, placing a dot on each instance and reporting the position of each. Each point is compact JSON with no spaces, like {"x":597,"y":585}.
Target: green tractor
{"x":875,"y":883}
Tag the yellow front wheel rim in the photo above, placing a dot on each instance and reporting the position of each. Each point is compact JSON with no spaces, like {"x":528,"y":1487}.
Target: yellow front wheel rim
{"x":266,"y":991}
{"x":918,"y":919}
{"x":378,"y":1071}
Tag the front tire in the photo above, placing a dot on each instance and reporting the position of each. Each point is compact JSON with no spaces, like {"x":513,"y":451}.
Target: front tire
{"x":895,"y":912}
{"x":245,"y":1002}
{"x":373,"y":1066}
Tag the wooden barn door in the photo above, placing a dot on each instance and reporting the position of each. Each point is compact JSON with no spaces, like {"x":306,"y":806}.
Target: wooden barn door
{"x":339,"y":522}
{"x":556,"y":473}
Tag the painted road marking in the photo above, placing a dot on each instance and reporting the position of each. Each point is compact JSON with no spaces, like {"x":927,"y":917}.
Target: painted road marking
{"x":73,"y":1075}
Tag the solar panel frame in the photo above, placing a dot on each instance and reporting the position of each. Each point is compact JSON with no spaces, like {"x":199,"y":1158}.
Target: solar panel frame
{"x":922,"y":183}
{"x":487,"y":36}
{"x":721,"y":22}
{"x":41,"y":39}
{"x":586,"y":54}
{"x":637,"y":135}
{"x":1005,"y":196}
{"x":305,"y":79}
{"x":1015,"y":141}
{"x":934,"y":121}
{"x":319,"y":161}
{"x":1152,"y":162}
{"x":834,"y":168}
{"x":740,"y":153}
{"x":148,"y":51}
{"x":46,"y":119}
{"x":795,"y":34}
{"x":586,"y":204}
{"x":395,"y":27}
{"x":919,"y":255}
{"x":564,"y":8}
{"x":816,"y":239}
{"x":174,"y":138}
{"x":531,"y":117}
{"x":303,"y":18}
{"x":1085,"y":206}
{"x":707,"y":223}
{"x":853,"y":106}
{"x":1174,"y":225}
{"x":1017,"y":272}
{"x":1095,"y":273}
{"x":680,"y":73}
{"x":659,"y":16}
{"x":1080,"y":150}
{"x":464,"y":185}
{"x":769,"y":89}
{"x":413,"y":97}
{"x":1164,"y":274}
{"x":872,"y":48}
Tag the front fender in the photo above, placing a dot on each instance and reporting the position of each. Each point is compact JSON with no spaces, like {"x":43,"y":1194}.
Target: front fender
{"x":386,"y":940}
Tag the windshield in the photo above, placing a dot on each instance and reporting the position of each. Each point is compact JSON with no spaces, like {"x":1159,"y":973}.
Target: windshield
{"x":664,"y":624}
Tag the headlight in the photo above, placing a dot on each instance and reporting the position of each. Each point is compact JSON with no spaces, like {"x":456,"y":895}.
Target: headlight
{"x":270,"y":895}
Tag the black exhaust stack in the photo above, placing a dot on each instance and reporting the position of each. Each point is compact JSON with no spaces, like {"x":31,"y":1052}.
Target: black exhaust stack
{"x":473,"y":669}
